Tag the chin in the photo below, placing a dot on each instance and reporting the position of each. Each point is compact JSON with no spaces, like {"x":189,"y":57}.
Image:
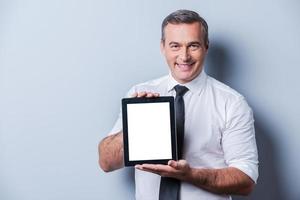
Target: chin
{"x":185,"y":76}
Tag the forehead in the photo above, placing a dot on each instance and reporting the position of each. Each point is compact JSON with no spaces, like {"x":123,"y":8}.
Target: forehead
{"x":191,"y":31}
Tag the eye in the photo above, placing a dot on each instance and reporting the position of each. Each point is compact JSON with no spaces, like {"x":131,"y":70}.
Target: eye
{"x":174,"y":47}
{"x":194,"y":47}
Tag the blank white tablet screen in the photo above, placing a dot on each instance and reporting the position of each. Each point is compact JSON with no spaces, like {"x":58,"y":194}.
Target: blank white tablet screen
{"x":149,"y":131}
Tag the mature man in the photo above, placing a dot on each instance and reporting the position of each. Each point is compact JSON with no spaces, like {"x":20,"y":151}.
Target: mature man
{"x":219,"y":154}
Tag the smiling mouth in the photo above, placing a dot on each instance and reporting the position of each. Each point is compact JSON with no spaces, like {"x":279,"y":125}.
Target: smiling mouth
{"x":184,"y":66}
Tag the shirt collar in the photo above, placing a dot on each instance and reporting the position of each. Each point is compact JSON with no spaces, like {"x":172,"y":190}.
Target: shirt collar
{"x":195,"y":86}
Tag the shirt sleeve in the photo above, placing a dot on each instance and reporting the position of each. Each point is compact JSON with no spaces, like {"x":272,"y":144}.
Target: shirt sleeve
{"x":238,"y":139}
{"x":118,"y":126}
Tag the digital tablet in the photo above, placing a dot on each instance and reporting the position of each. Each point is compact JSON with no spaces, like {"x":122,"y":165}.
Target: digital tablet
{"x":149,"y":130}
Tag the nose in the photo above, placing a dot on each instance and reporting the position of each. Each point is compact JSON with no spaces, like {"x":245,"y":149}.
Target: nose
{"x":184,"y":55}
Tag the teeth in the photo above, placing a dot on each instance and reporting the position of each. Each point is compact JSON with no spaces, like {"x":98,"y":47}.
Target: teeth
{"x":184,"y":65}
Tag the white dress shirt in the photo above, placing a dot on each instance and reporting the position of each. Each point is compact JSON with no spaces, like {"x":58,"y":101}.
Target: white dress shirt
{"x":219,"y":133}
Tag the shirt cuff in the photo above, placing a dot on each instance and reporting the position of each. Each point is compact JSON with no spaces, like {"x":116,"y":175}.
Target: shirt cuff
{"x":251,"y":169}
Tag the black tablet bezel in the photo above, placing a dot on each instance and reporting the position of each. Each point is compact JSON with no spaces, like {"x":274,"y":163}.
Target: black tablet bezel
{"x":125,"y":102}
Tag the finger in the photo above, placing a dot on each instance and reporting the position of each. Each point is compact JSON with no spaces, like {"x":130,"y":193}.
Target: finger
{"x":149,"y":95}
{"x":157,"y":167}
{"x":173,"y":164}
{"x":134,"y":94}
{"x":151,"y":169}
{"x":141,"y":94}
{"x":146,"y":170}
{"x":140,"y":167}
{"x":182,"y":164}
{"x":145,"y":94}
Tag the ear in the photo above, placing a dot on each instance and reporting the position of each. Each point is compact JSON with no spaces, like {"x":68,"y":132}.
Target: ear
{"x":206,"y":50}
{"x":207,"y":46}
{"x":162,"y":47}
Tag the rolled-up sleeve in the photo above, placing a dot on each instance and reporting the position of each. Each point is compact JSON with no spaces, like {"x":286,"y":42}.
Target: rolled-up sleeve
{"x":238,"y":140}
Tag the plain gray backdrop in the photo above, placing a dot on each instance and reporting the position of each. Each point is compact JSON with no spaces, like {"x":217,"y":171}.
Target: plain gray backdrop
{"x":65,"y":65}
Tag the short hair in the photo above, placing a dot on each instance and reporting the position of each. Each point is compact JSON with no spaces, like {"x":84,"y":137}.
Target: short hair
{"x":185,"y":17}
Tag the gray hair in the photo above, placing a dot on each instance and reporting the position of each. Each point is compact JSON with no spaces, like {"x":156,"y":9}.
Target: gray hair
{"x":185,"y":17}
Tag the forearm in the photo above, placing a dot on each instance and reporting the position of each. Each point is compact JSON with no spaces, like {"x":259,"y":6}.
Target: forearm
{"x":111,"y":152}
{"x":221,"y":181}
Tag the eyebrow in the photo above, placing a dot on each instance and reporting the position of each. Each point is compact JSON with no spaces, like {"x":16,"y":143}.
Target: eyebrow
{"x":173,"y":43}
{"x":189,"y":44}
{"x":195,"y":42}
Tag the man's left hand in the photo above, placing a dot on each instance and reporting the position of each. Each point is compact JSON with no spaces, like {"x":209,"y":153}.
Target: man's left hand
{"x":175,"y":169}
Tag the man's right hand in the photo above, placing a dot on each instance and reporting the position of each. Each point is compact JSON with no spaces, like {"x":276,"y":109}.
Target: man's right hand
{"x":145,"y":94}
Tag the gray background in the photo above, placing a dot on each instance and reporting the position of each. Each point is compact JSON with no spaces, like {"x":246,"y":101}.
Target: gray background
{"x":64,"y":65}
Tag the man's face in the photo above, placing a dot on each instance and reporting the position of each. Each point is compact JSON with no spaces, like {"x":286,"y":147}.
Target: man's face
{"x":185,"y":50}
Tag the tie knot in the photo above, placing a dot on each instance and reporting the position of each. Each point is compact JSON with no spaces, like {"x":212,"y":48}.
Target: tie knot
{"x":180,"y":90}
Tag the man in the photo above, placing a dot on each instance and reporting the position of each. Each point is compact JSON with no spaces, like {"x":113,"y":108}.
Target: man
{"x":219,"y":156}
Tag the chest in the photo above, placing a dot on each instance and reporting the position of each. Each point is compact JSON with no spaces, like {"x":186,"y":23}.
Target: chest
{"x":204,"y":124}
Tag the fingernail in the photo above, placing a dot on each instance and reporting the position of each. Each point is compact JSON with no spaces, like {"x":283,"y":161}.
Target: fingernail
{"x":138,"y":167}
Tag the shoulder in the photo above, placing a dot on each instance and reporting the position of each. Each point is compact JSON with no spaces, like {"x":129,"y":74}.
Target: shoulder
{"x":223,"y":91}
{"x":228,"y":101}
{"x":225,"y":97}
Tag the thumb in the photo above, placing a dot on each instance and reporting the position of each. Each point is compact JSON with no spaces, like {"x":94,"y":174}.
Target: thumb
{"x":182,"y":164}
{"x":173,"y":163}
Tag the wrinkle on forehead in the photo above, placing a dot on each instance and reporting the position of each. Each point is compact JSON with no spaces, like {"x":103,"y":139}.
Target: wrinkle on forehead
{"x":184,"y":33}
